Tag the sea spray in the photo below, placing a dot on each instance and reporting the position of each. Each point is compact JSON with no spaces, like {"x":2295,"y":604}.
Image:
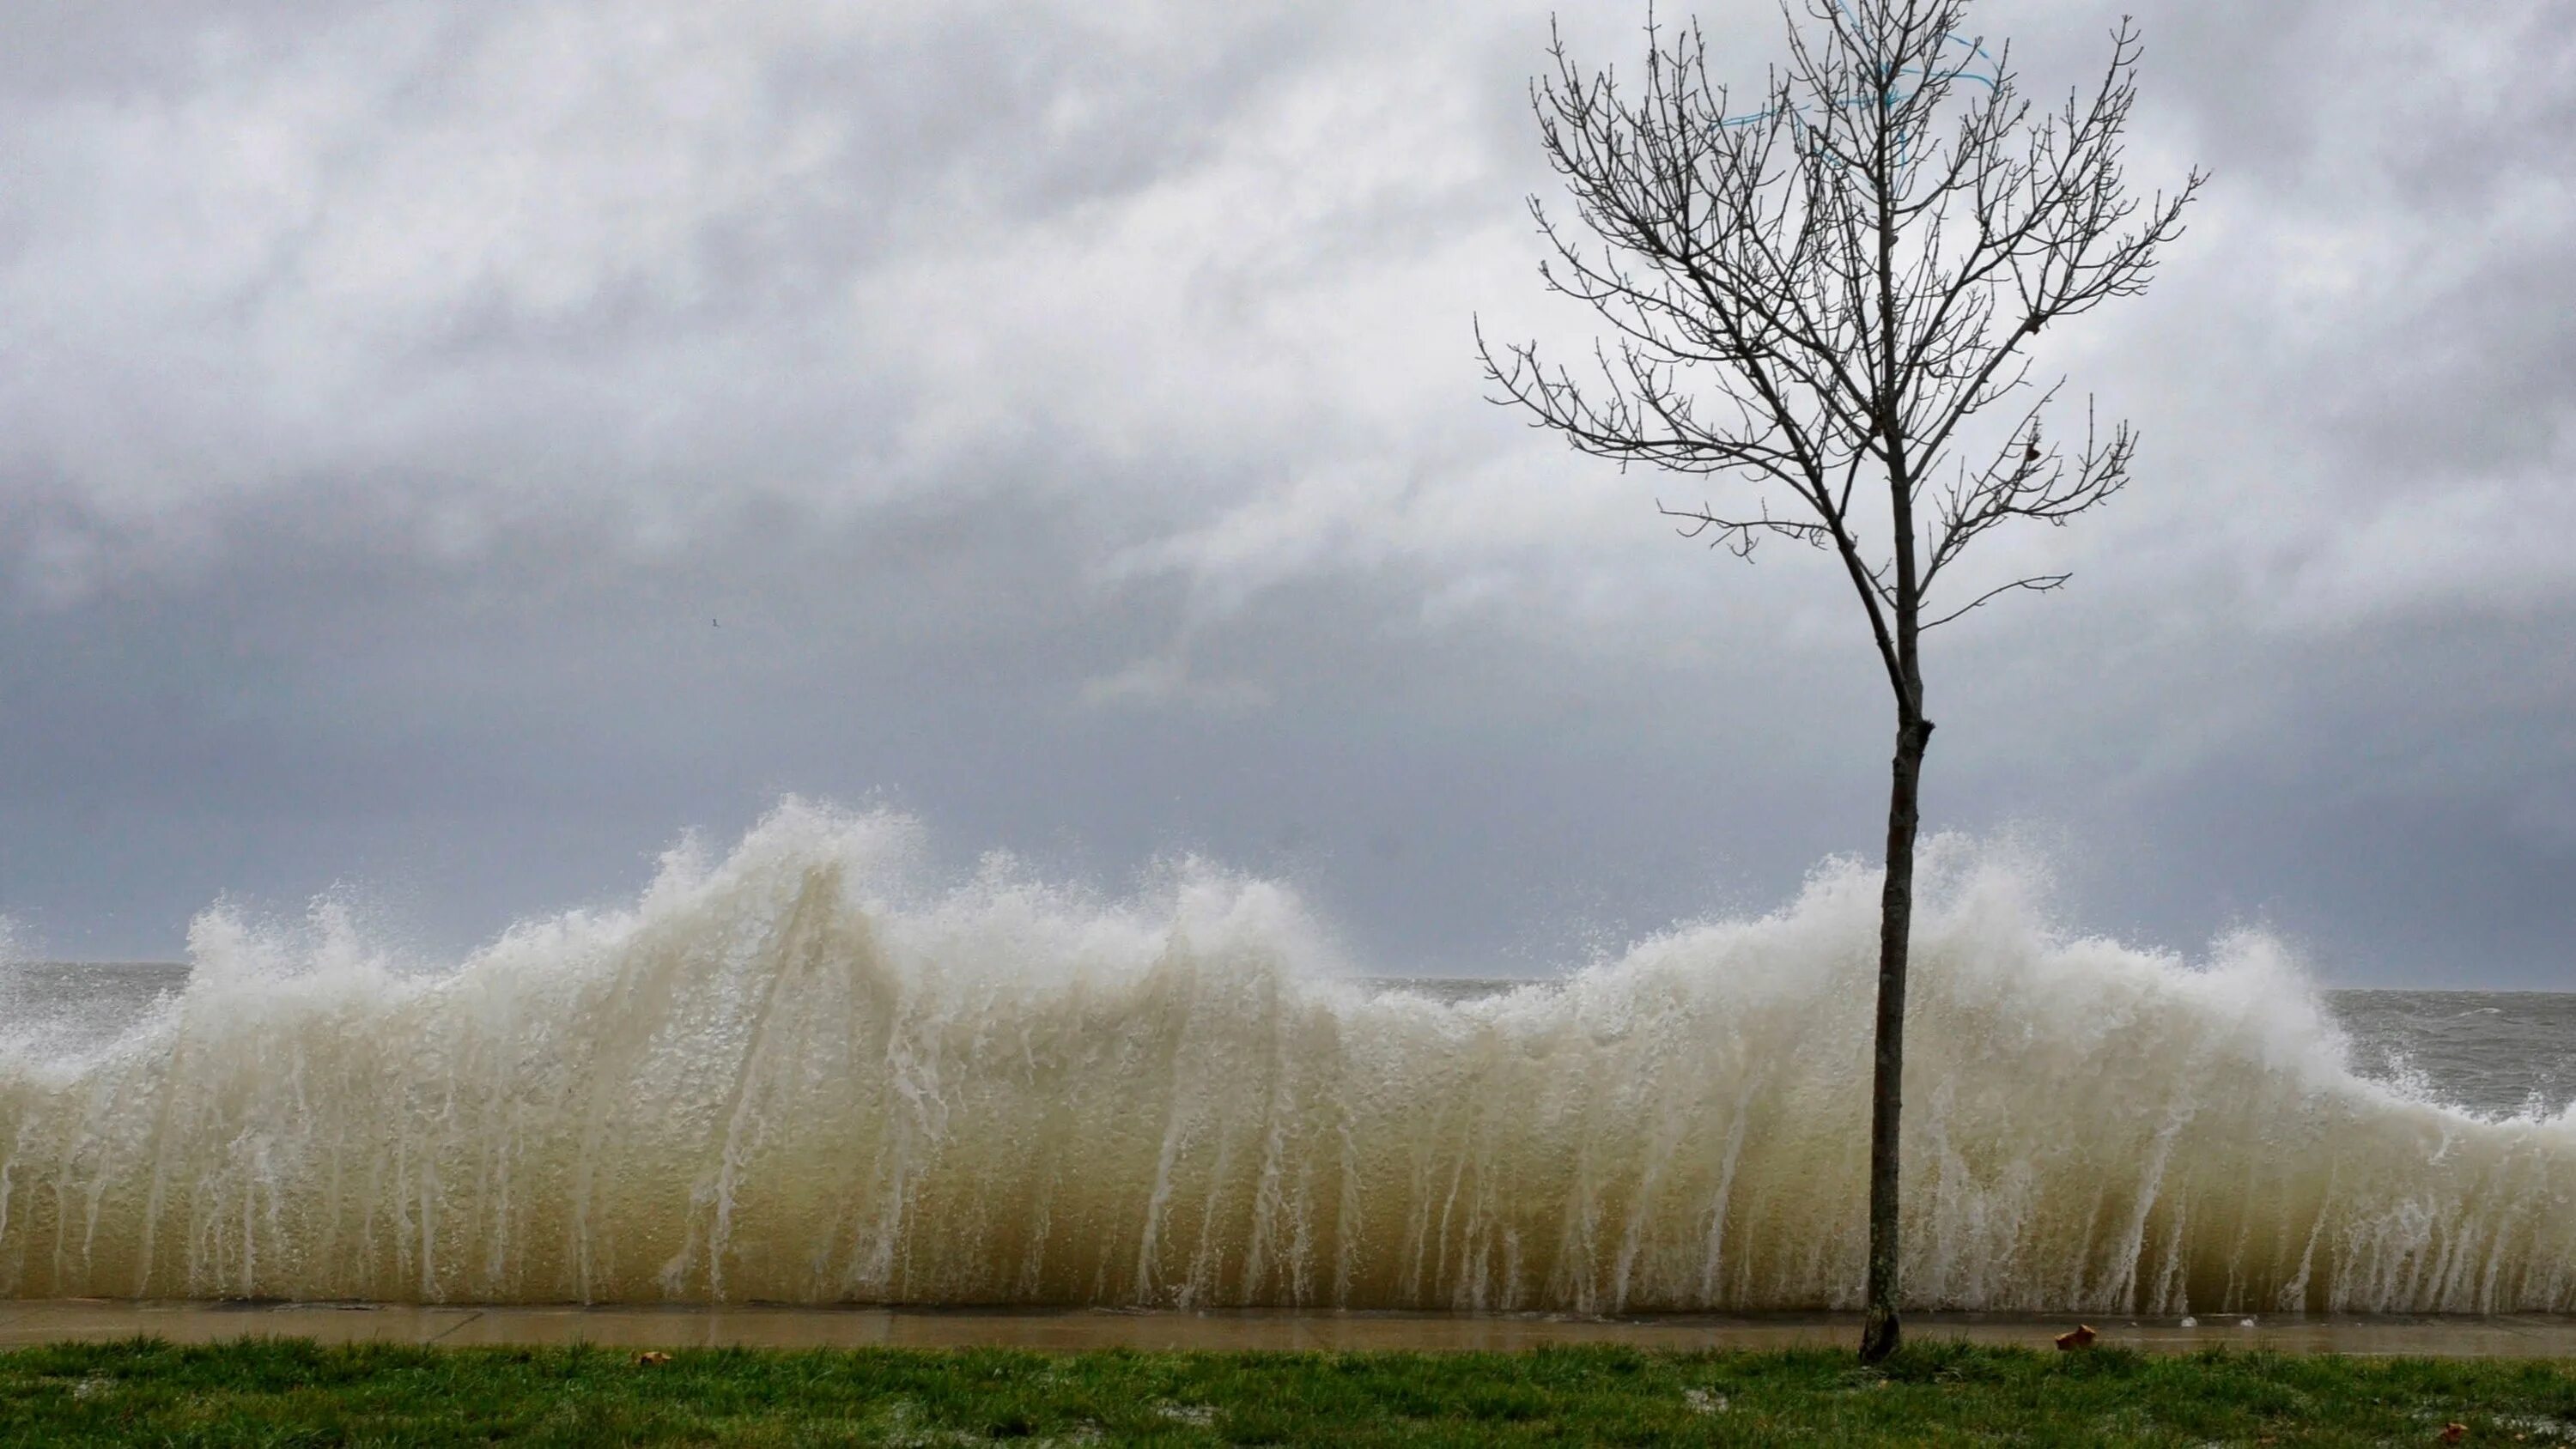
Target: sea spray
{"x":796,"y":1075}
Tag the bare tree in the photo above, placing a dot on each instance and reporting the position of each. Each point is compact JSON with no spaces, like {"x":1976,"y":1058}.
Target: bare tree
{"x":1829,"y":289}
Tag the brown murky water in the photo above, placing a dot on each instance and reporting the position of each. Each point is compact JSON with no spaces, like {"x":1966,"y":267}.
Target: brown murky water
{"x":1079,"y":1330}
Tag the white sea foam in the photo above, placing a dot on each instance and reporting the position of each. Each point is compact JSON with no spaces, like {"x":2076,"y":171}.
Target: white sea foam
{"x":790,"y":1075}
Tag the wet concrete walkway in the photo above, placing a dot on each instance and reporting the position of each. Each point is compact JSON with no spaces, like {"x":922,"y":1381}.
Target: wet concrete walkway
{"x":24,"y":1322}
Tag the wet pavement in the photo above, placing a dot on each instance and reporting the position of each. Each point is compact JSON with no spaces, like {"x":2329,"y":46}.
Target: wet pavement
{"x":29,"y":1321}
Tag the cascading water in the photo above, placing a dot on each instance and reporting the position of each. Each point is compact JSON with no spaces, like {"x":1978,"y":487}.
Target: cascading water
{"x":787,"y":1077}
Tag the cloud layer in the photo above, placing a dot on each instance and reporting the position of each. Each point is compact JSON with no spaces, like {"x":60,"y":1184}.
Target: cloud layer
{"x":446,"y":450}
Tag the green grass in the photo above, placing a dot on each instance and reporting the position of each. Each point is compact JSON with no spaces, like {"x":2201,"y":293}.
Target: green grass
{"x":279,"y":1392}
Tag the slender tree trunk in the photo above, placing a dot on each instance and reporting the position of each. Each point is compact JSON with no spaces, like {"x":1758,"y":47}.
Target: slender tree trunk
{"x":1879,"y":1332}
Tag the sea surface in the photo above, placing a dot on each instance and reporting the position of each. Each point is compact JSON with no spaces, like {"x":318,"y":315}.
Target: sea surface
{"x":801,"y":1072}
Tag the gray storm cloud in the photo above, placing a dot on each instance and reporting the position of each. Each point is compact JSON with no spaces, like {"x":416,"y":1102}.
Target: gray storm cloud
{"x":447,"y":450}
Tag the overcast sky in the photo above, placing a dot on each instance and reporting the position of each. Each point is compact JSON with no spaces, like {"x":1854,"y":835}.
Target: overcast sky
{"x":447,"y":450}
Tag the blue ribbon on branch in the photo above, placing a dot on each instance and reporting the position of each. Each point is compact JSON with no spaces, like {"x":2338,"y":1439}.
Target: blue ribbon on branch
{"x":1891,"y":98}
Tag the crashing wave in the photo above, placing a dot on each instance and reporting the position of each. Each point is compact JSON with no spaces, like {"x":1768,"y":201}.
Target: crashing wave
{"x":789,"y":1075}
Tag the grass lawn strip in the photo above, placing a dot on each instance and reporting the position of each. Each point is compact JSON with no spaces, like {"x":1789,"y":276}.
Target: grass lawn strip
{"x":294,"y":1392}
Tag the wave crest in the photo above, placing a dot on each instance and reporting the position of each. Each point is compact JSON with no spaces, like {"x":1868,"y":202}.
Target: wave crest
{"x":794,"y":1075}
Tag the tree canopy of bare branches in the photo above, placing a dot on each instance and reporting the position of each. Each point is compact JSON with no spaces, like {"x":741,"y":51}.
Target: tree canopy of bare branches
{"x":1821,"y":297}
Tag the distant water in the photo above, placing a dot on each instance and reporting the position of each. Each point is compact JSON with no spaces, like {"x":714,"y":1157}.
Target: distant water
{"x":798,"y":1073}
